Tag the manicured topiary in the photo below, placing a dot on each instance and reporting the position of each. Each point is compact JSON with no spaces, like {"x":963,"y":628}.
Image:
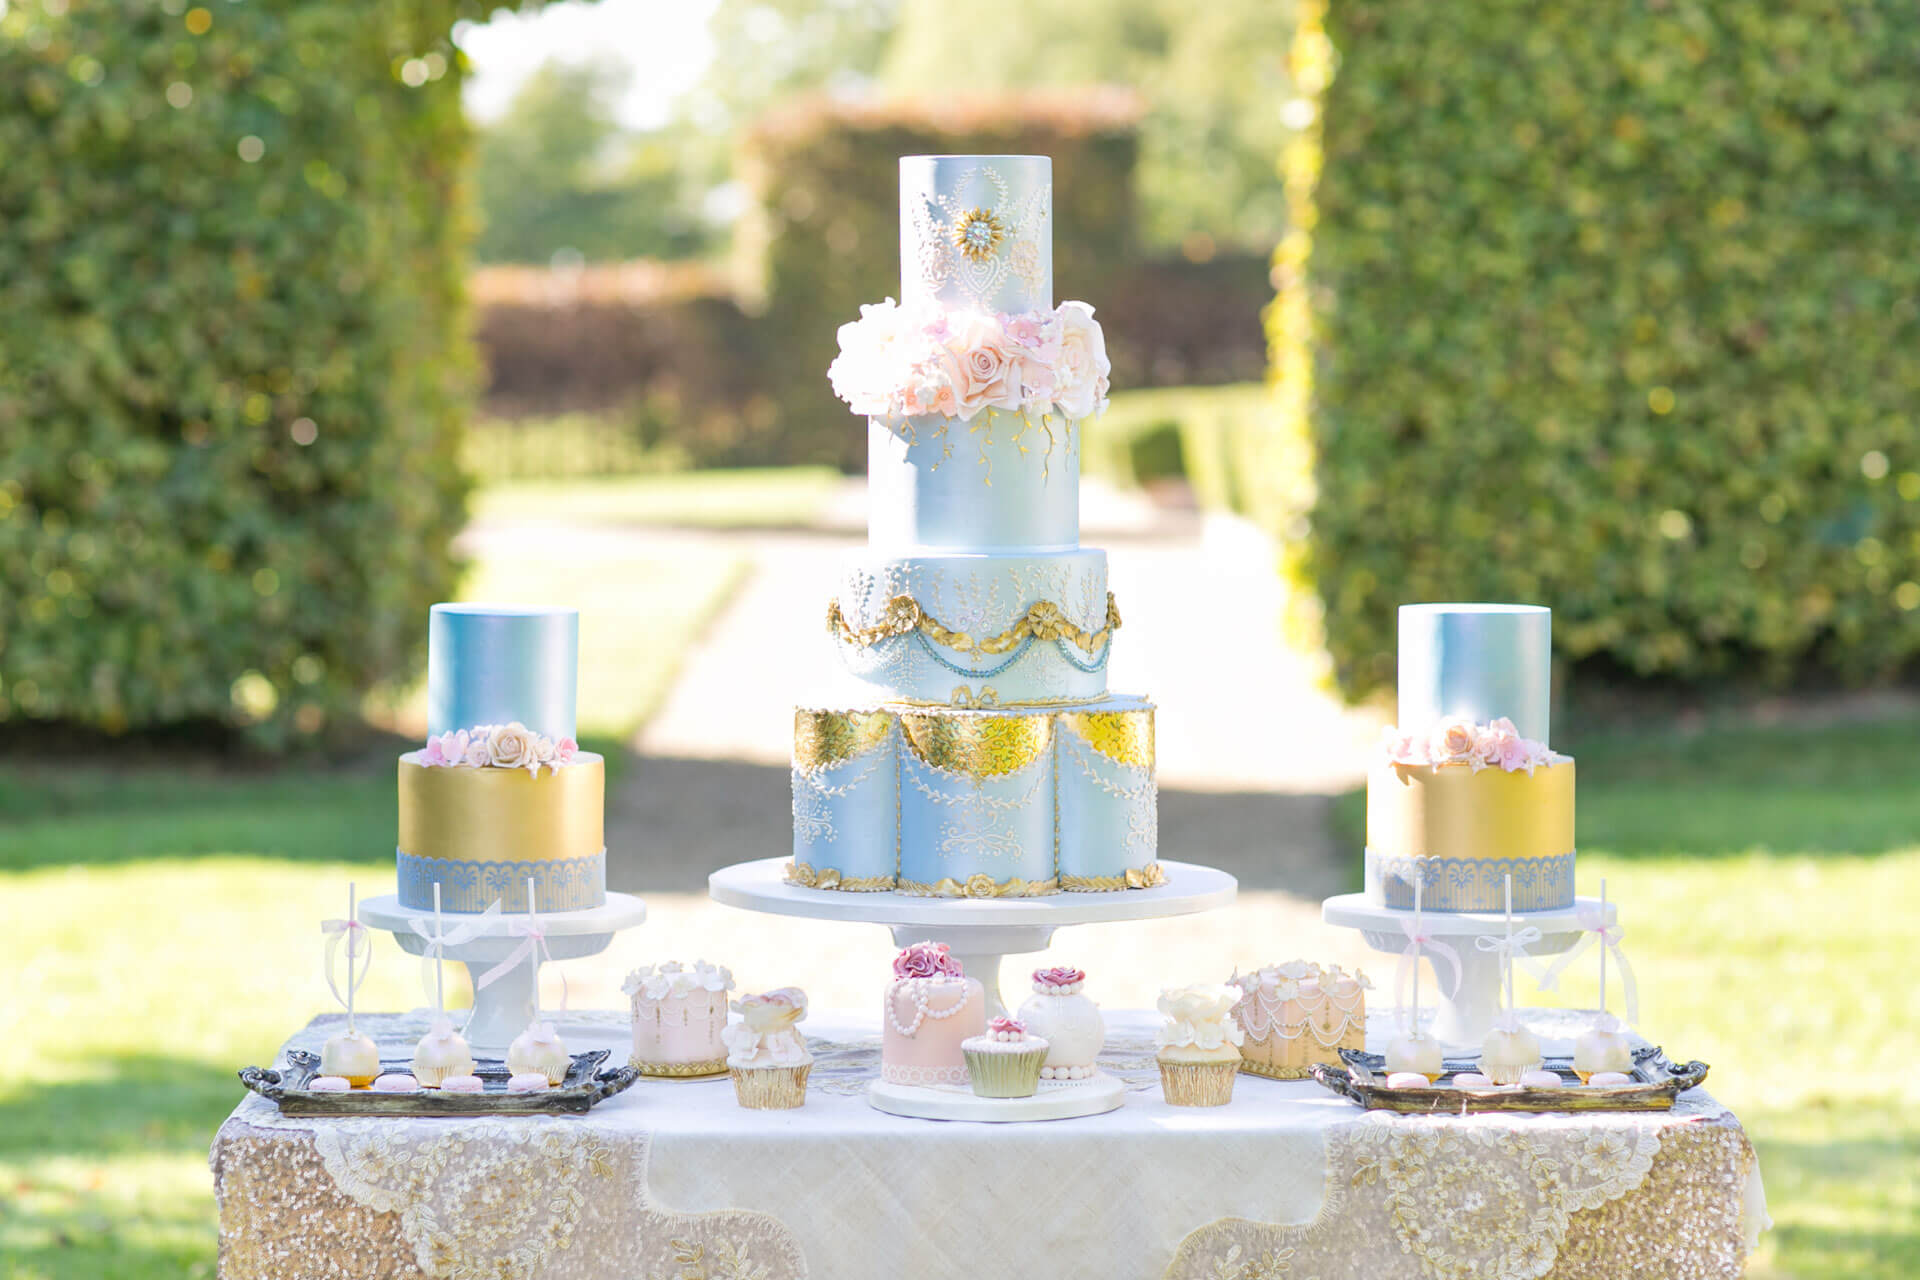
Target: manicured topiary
{"x":233,"y":361}
{"x":1616,"y":310}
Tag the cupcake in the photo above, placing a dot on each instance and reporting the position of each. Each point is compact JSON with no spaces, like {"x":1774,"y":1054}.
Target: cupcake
{"x":1509,"y":1052}
{"x":351,"y":1055}
{"x":1068,"y":1021}
{"x":1416,"y":1051}
{"x":1604,"y":1048}
{"x":766,"y":1054}
{"x":1199,"y":1045}
{"x":1005,"y":1062}
{"x":539,"y":1049}
{"x":442,"y":1052}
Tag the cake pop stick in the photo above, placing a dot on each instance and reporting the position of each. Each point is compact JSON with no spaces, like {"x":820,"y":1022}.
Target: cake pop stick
{"x":358,"y":946}
{"x":1506,"y":956}
{"x":1603,"y":950}
{"x":533,"y":952}
{"x":1415,"y":1014}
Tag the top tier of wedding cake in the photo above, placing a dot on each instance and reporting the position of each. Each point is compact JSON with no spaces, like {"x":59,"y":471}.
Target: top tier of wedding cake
{"x":976,"y":233}
{"x":1466,"y":792}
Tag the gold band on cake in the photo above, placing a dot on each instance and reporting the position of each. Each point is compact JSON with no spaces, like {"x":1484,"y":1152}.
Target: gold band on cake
{"x":981,"y":886}
{"x":461,"y":814}
{"x":1456,"y":813}
{"x":799,"y":873}
{"x":1151,"y":876}
{"x":1043,"y":620}
{"x":976,"y":746}
{"x":680,"y":1070}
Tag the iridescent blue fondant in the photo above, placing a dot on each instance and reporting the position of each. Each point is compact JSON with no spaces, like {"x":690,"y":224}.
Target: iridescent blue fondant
{"x":1109,"y":811}
{"x":994,"y":484}
{"x":954,"y":827}
{"x":1478,"y":662}
{"x":1471,"y":884}
{"x":570,"y":884}
{"x":496,"y":664}
{"x":845,"y":817}
{"x":938,"y":193}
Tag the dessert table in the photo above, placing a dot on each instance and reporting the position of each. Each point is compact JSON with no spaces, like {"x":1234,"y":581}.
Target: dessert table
{"x":673,"y":1181}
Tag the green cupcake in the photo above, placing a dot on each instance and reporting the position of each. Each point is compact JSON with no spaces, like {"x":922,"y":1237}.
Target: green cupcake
{"x":1005,"y":1062}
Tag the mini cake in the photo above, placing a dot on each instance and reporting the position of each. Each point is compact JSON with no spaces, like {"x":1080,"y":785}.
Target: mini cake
{"x":1296,"y":1014}
{"x":1198,"y":1045}
{"x":679,"y":1017}
{"x":1509,"y":1052}
{"x":1005,"y":1062}
{"x":539,"y":1048}
{"x":930,"y":1007}
{"x":441,"y":1053}
{"x":1604,"y":1048}
{"x":1417,"y":1051}
{"x":767,"y":1056}
{"x":1068,"y":1021}
{"x":351,"y":1055}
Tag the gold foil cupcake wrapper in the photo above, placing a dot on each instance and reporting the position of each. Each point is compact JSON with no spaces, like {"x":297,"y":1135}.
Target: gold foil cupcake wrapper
{"x":1198,"y":1084}
{"x":770,"y":1088}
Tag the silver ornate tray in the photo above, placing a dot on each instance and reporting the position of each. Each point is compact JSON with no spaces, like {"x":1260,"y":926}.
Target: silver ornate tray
{"x":1656,"y":1082}
{"x":585,"y":1085}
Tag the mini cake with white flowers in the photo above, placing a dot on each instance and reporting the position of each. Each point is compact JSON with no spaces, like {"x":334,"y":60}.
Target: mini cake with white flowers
{"x":984,"y":755}
{"x":679,"y":1018}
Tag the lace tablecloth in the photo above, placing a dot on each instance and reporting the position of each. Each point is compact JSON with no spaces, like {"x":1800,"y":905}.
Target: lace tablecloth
{"x":674,"y":1181}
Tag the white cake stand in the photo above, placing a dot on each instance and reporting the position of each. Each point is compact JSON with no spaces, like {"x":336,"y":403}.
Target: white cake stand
{"x":503,"y":1010}
{"x":1055,"y":1100}
{"x":1463,"y":1020}
{"x":980,"y":930}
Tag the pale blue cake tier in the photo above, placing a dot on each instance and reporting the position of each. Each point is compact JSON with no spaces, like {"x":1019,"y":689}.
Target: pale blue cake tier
{"x":496,"y":664}
{"x":960,"y":802}
{"x":1472,"y":884}
{"x":981,"y":596}
{"x":1478,"y":662}
{"x":1011,"y":200}
{"x":568,"y":884}
{"x":999,"y":483}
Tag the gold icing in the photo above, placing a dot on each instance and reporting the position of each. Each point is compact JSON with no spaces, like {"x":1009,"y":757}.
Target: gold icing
{"x":1124,"y":737}
{"x":980,"y":885}
{"x":823,"y":739}
{"x":1043,"y":620}
{"x":1151,"y":876}
{"x":680,"y":1070}
{"x":976,"y":746}
{"x":808,"y":877}
{"x":502,"y":815}
{"x":1451,"y":811}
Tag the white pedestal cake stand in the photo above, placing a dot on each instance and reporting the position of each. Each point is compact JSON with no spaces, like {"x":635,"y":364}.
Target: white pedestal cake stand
{"x":503,"y":1010}
{"x":981,"y":931}
{"x":1462,"y":1020}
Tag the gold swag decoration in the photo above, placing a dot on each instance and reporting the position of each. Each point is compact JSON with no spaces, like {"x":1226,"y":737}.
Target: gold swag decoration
{"x":828,"y":878}
{"x":1124,"y":737}
{"x":980,"y":885}
{"x":977,"y":233}
{"x":976,"y":746}
{"x":823,"y":739}
{"x":1043,"y":620}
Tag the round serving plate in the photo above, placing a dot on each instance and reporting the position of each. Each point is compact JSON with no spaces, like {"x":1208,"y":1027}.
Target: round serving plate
{"x":1054,"y":1100}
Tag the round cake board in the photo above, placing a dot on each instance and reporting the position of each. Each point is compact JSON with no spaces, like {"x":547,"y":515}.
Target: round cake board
{"x":503,"y":1010}
{"x":1055,"y":1100}
{"x":1462,"y":1018}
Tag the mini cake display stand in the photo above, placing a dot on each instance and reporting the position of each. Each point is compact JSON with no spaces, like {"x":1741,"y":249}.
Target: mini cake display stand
{"x":503,"y":1010}
{"x":1462,"y":1020}
{"x":1055,"y":1100}
{"x":979,"y":930}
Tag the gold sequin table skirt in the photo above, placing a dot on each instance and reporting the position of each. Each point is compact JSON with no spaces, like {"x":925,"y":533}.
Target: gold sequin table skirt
{"x":672,"y":1180}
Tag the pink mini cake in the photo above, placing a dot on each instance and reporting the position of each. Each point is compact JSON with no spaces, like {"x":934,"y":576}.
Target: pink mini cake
{"x":1297,"y":1014}
{"x":931,"y":1006}
{"x":679,"y":1018}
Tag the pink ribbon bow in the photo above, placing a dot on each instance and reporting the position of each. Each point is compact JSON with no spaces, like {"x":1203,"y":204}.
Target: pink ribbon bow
{"x":1596,"y":931}
{"x":359,"y":947}
{"x":533,"y":937}
{"x":1417,"y":941}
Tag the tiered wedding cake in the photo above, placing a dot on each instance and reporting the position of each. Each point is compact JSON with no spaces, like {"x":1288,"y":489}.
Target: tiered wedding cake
{"x":984,"y":757}
{"x":1466,"y":791}
{"x":501,"y":794}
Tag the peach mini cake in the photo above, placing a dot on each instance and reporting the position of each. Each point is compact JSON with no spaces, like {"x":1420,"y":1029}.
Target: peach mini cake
{"x":931,"y":1006}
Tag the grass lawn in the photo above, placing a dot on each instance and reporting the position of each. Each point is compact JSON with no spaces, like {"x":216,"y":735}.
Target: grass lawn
{"x":772,"y":497}
{"x":161,"y":933}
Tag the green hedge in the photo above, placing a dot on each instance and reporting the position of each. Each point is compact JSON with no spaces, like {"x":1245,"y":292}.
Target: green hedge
{"x":233,"y":363}
{"x":1615,"y":311}
{"x":1209,"y":435}
{"x":824,"y":232}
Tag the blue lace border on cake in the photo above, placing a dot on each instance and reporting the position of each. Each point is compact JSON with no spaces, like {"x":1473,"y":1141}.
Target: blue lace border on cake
{"x":563,"y":884}
{"x":1471,"y":884}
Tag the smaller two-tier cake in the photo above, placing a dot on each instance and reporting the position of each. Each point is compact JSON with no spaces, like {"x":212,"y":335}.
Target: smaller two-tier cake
{"x":1465,"y":791}
{"x":501,"y":794}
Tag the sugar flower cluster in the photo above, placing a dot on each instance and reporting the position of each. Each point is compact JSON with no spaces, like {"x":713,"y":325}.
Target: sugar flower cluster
{"x":1284,"y":981}
{"x":927,"y":960}
{"x":766,"y":1035}
{"x":499,"y":746}
{"x":657,"y":982}
{"x":1007,"y":1030}
{"x":906,"y":361}
{"x":1058,"y":981}
{"x":1495,"y":745}
{"x":1198,"y":1017}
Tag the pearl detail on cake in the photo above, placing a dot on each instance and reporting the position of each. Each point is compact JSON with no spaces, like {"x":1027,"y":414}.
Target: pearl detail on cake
{"x":917,"y":988}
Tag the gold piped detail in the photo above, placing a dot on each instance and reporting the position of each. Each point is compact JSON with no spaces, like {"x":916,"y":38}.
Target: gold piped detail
{"x":1124,"y":737}
{"x":1151,"y":876}
{"x":976,"y":746}
{"x":828,"y":878}
{"x":1043,"y":620}
{"x":681,"y":1070}
{"x":981,"y":885}
{"x":823,"y":739}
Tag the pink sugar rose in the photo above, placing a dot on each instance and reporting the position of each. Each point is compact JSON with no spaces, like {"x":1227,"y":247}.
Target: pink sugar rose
{"x":927,"y":960}
{"x":1008,"y":1026}
{"x":989,"y":372}
{"x":1060,"y":977}
{"x":565,"y":750}
{"x":1453,"y":741}
{"x":432,"y":755}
